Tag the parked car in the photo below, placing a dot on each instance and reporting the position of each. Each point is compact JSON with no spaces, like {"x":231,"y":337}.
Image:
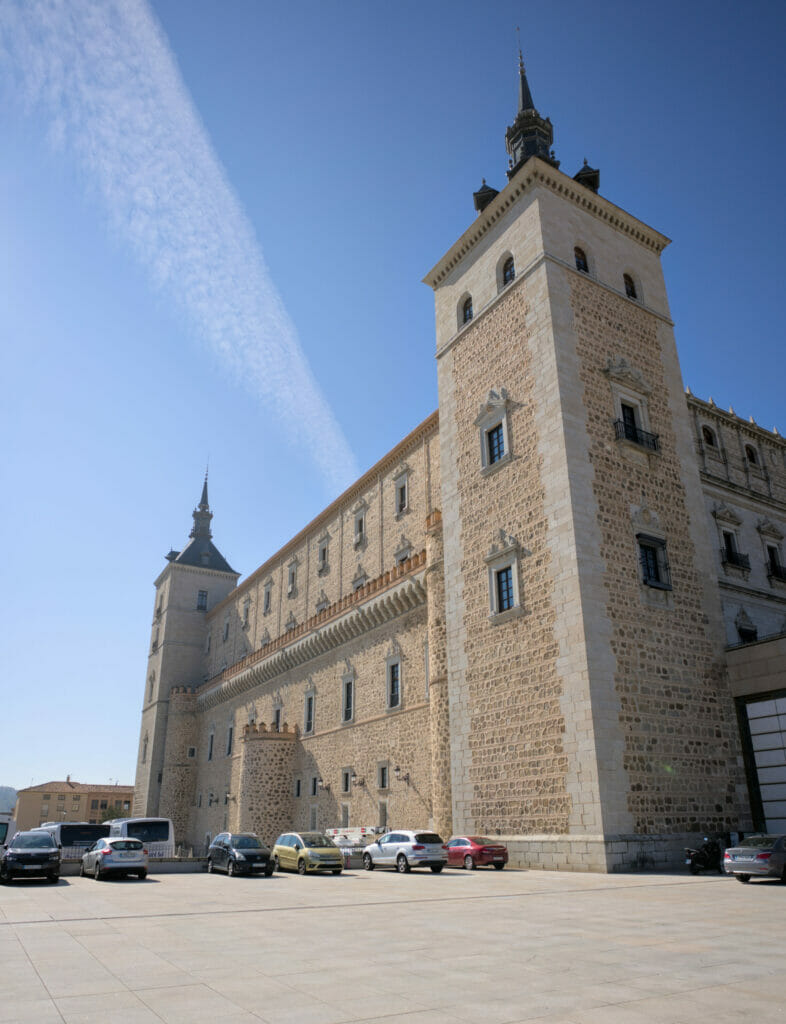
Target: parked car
{"x":239,"y":853}
{"x":114,"y":855}
{"x":757,"y":856}
{"x":471,"y":852}
{"x":30,"y":855}
{"x":405,"y":850}
{"x":306,"y":852}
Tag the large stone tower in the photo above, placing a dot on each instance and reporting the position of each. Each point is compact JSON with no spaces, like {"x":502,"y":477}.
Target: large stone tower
{"x":590,"y":718}
{"x":194,"y":580}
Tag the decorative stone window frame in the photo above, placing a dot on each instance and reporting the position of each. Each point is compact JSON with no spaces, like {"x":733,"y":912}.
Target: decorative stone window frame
{"x":383,"y":776}
{"x":647,"y":530}
{"x":246,"y":612}
{"x":394,"y":664}
{"x":292,"y":577}
{"x":771,"y":538}
{"x":360,"y":578}
{"x":309,"y":711}
{"x":744,"y":624}
{"x":728,"y":523}
{"x":359,"y":525}
{"x":493,"y":413}
{"x":291,"y":622}
{"x":629,"y":387}
{"x":348,"y":678}
{"x":323,"y":552}
{"x":401,"y":481}
{"x":323,"y":602}
{"x":277,"y":716}
{"x":462,"y":320}
{"x":503,"y":554}
{"x":756,"y":461}
{"x":502,"y":284}
{"x":588,"y":257}
{"x":403,"y":551}
{"x":267,"y":596}
{"x":635,"y":280}
{"x":264,"y":640}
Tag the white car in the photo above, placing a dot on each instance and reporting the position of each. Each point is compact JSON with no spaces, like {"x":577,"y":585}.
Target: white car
{"x":407,"y":849}
{"x":115,"y":856}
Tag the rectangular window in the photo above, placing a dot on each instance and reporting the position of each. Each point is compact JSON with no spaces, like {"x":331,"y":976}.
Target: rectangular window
{"x":345,"y":815}
{"x":126,"y":805}
{"x":346,"y":780}
{"x":382,"y":777}
{"x":394,"y":684}
{"x":225,"y":634}
{"x":210,"y":747}
{"x":730,"y":544}
{"x":383,"y":814}
{"x":292,"y":580}
{"x":276,"y":719}
{"x":313,"y":819}
{"x":654,"y":565}
{"x":322,"y":557}
{"x":246,"y":610}
{"x":495,"y":439}
{"x":360,"y":528}
{"x":401,"y":498}
{"x":348,"y":705}
{"x":93,"y":805}
{"x":504,"y":585}
{"x":298,"y":787}
{"x":230,"y":734}
{"x":308,"y":716}
{"x":314,"y":785}
{"x":202,"y":601}
{"x":104,"y":805}
{"x":192,"y":751}
{"x":199,"y":800}
{"x":266,"y":598}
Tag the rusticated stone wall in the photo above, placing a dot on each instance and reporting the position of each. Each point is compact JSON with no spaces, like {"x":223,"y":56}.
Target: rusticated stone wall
{"x":439,"y":704}
{"x":179,"y":770}
{"x":263,"y":797}
{"x":681,"y":747}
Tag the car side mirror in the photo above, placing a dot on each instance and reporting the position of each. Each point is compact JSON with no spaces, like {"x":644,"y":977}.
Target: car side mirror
{"x":298,"y":846}
{"x":60,"y":846}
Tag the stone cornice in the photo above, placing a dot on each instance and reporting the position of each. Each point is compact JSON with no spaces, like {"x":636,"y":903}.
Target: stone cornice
{"x":193,"y":568}
{"x":380,"y":601}
{"x":535,"y":172}
{"x":344,"y":502}
{"x":730,"y":418}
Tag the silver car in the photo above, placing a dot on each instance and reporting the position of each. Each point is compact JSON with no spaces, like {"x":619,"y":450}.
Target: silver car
{"x":117,"y":855}
{"x":405,"y":850}
{"x":758,"y":856}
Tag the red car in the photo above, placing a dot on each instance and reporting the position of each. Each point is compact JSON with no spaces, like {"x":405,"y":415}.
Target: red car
{"x":472,"y":851}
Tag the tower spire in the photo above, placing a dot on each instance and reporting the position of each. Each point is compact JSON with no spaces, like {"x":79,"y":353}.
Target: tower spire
{"x":530,"y":134}
{"x":202,"y":516}
{"x":203,"y":500}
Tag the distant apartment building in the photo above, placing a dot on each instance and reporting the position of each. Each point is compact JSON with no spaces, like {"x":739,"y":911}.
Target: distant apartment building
{"x":71,"y":801}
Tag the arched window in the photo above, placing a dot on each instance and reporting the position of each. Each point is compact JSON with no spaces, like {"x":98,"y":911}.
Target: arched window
{"x":581,"y":260}
{"x":466,"y":310}
{"x":709,"y":437}
{"x":750,"y":455}
{"x":508,"y":271}
{"x":630,"y":287}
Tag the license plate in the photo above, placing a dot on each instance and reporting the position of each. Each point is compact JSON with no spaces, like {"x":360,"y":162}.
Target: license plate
{"x":497,"y":858}
{"x":128,"y":856}
{"x":687,"y":860}
{"x":32,"y":867}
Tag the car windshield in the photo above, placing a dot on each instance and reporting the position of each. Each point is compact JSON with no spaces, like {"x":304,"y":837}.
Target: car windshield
{"x":760,"y":841}
{"x":246,"y":842}
{"x":427,"y":837}
{"x":126,"y":844}
{"x":39,"y":842}
{"x":314,"y":841}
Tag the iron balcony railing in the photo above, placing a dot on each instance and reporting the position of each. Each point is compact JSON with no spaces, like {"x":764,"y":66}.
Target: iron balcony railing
{"x":735,"y":558}
{"x":626,"y":432}
{"x":776,"y":572}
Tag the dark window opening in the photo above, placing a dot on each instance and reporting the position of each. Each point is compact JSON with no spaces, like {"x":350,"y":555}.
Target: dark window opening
{"x":496,"y":443}
{"x":504,"y":581}
{"x":202,"y":601}
{"x":394,"y":685}
{"x":630,"y":287}
{"x":466,"y":311}
{"x":581,"y":260}
{"x":708,"y":437}
{"x":508,"y":271}
{"x":750,"y":455}
{"x":747,"y":634}
{"x":654,"y":565}
{"x":348,"y":688}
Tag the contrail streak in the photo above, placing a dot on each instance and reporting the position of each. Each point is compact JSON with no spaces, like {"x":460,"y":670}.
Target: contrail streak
{"x":107,"y":79}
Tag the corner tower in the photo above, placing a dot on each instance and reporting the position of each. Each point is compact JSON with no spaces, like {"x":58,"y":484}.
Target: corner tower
{"x":194,"y":581}
{"x":590,"y":719}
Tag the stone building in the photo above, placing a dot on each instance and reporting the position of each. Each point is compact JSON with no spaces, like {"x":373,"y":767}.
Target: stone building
{"x":66,"y":800}
{"x":517,"y":622}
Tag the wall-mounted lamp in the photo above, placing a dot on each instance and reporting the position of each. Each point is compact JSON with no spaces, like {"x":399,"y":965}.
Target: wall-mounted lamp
{"x":401,"y":776}
{"x":323,"y":785}
{"x":355,"y":780}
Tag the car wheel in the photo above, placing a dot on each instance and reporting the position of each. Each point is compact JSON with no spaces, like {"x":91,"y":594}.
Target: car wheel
{"x":97,"y":872}
{"x":498,"y":867}
{"x":469,"y":863}
{"x":337,"y":871}
{"x":301,"y":867}
{"x":270,"y":867}
{"x":54,"y":879}
{"x":402,"y":864}
{"x":694,"y":868}
{"x":142,"y":875}
{"x":82,"y":869}
{"x":436,"y":868}
{"x":231,"y":868}
{"x":209,"y":866}
{"x":276,"y":865}
{"x":743,"y":878}
{"x":368,"y":863}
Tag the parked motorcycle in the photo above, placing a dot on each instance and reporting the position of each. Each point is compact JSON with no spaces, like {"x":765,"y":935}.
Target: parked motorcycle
{"x":708,"y":857}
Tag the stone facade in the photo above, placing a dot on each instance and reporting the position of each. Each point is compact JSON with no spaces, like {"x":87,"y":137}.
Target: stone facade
{"x":513,"y":624}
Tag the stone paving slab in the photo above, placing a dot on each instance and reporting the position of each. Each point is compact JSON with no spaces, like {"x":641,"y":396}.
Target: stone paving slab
{"x":382,"y":948}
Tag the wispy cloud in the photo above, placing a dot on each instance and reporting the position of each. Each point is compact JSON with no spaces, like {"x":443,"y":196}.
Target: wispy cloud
{"x":107,"y":79}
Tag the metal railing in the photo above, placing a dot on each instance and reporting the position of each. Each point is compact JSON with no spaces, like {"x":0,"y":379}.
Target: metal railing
{"x":735,"y":558}
{"x":626,"y":432}
{"x":776,"y":572}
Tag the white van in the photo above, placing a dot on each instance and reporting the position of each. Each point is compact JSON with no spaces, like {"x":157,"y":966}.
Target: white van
{"x":7,"y":827}
{"x":157,"y":834}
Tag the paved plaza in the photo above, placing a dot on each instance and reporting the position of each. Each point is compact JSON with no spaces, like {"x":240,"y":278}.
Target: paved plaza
{"x":481,"y":947}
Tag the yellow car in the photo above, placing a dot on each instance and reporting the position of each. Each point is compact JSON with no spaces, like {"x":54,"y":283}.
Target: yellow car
{"x":305,"y":852}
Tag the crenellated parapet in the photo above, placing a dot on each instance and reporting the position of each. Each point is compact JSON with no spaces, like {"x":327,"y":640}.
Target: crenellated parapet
{"x":263,"y":785}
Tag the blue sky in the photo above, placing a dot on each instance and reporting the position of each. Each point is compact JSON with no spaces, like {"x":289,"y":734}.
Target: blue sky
{"x":324,"y":158}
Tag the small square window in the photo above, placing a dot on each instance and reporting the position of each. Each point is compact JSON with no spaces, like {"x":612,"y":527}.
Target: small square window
{"x":192,"y":751}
